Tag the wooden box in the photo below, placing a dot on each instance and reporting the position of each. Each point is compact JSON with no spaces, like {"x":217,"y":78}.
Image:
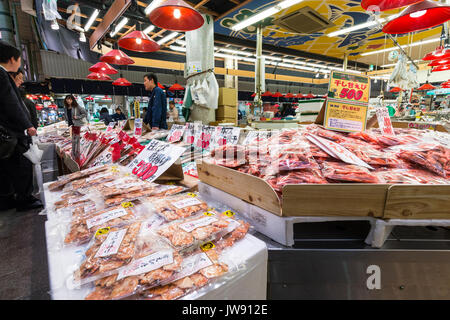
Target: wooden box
{"x":374,"y":200}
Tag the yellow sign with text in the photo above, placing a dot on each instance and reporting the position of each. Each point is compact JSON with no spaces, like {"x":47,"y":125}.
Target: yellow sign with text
{"x":349,"y":86}
{"x":345,"y":117}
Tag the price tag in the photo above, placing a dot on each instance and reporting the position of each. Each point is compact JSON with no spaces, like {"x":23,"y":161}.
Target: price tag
{"x":137,"y":126}
{"x":102,"y":231}
{"x":344,"y":116}
{"x":384,"y":121}
{"x":349,"y":86}
{"x":205,"y":138}
{"x":110,"y":126}
{"x":229,"y":213}
{"x":127,"y":204}
{"x":176,"y":133}
{"x":226,"y":136}
{"x":207,"y":246}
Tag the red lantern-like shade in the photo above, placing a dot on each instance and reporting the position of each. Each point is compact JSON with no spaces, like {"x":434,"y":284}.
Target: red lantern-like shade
{"x":439,"y":62}
{"x":310,"y":95}
{"x":396,"y":89}
{"x":103,"y":67}
{"x":122,"y":82}
{"x":98,"y":76}
{"x":289,"y":95}
{"x":277,"y":94}
{"x":117,"y":56}
{"x":419,"y":16}
{"x":253,"y":95}
{"x":267,"y":94}
{"x":300,"y":96}
{"x":138,"y":41}
{"x":161,"y":86}
{"x":441,"y":68}
{"x":426,"y":86}
{"x":384,"y":5}
{"x":39,"y":107}
{"x":176,"y":87}
{"x":440,"y":53}
{"x":176,"y":15}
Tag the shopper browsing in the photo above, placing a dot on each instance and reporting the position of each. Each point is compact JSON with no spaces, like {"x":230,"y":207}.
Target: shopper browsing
{"x":75,"y":115}
{"x":118,"y":115}
{"x":157,"y":104}
{"x":105,"y":116}
{"x":173,"y":112}
{"x":16,"y":176}
{"x":18,"y":78}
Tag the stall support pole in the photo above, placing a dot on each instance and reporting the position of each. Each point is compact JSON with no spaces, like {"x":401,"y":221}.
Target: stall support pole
{"x":345,"y":61}
{"x":258,"y":73}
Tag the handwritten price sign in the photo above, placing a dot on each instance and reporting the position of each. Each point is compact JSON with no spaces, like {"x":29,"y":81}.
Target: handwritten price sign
{"x":349,"y":86}
{"x":154,"y":160}
{"x":176,"y":133}
{"x":384,"y":121}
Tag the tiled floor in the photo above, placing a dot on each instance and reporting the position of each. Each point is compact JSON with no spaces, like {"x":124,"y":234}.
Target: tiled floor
{"x":23,"y":256}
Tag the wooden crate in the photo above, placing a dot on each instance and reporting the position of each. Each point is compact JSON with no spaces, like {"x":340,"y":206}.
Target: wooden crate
{"x":344,"y":200}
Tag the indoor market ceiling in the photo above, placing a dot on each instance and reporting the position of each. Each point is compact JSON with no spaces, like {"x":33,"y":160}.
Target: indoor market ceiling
{"x":336,"y":15}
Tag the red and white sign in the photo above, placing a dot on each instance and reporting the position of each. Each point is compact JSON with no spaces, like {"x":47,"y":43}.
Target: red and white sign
{"x":384,"y":121}
{"x":205,"y":137}
{"x":176,"y":133}
{"x":137,"y":126}
{"x":154,"y":160}
{"x":110,"y":126}
{"x":226,"y":135}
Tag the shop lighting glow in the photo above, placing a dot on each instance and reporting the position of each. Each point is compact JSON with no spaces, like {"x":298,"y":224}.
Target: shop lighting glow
{"x":223,"y":55}
{"x":244,"y":53}
{"x":119,"y":26}
{"x":271,"y":58}
{"x":152,"y":6}
{"x":404,"y":46}
{"x":149,"y":29}
{"x":91,"y":20}
{"x":264,"y":14}
{"x":167,"y":38}
{"x":178,"y":48}
{"x":360,"y":26}
{"x":54,"y":25}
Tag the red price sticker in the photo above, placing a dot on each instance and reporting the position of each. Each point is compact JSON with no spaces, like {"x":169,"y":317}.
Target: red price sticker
{"x":144,"y":170}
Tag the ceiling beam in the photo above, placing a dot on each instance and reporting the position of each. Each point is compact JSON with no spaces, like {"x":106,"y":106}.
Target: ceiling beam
{"x":233,"y":9}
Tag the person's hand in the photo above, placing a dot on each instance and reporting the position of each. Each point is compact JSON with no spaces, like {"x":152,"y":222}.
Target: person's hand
{"x":31,"y":131}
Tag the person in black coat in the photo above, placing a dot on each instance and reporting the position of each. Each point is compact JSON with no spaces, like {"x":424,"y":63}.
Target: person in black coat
{"x":105,"y":116}
{"x":118,"y":115}
{"x":16,"y":171}
{"x":31,"y":106}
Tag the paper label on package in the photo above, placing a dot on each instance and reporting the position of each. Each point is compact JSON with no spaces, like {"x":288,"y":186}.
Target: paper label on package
{"x":110,"y":126}
{"x":186,"y":203}
{"x":95,"y":177}
{"x":152,"y":222}
{"x":154,"y":160}
{"x":226,"y":136}
{"x":146,"y":264}
{"x":384,"y":121}
{"x":112,"y":243}
{"x":176,"y":133}
{"x":233,"y":224}
{"x":257,"y":136}
{"x":137,"y":126}
{"x":337,"y":151}
{"x":192,"y":225}
{"x":105,"y":217}
{"x":76,"y":200}
{"x":192,"y":264}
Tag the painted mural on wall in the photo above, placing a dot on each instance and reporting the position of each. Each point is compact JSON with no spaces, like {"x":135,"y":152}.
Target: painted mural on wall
{"x":343,"y":13}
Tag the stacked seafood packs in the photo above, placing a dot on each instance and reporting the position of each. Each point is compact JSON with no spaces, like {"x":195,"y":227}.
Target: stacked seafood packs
{"x":290,"y":156}
{"x":140,"y":240}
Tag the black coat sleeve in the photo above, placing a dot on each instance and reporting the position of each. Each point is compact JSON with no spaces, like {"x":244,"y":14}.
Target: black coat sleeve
{"x":13,"y":113}
{"x":33,"y":113}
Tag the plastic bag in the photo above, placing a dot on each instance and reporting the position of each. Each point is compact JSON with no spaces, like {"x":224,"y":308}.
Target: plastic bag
{"x":342,"y":172}
{"x":59,"y":185}
{"x":34,"y":154}
{"x":50,"y":9}
{"x":179,"y":206}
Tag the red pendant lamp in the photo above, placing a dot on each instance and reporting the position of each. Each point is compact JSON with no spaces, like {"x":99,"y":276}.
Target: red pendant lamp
{"x":300,"y":96}
{"x":122,"y":82}
{"x":426,"y":86}
{"x":89,"y":98}
{"x":441,"y":68}
{"x":289,"y":95}
{"x":267,"y":94}
{"x":277,"y":94}
{"x":396,"y":89}
{"x":39,"y":107}
{"x":117,"y":56}
{"x":440,"y":53}
{"x":446,"y":83}
{"x":384,"y":5}
{"x":138,"y":41}
{"x":98,"y":76}
{"x":176,"y":87}
{"x":439,"y":62}
{"x":103,"y":67}
{"x":161,"y":86}
{"x":310,"y":96}
{"x":420,"y":16}
{"x":176,"y":15}
{"x":253,"y":95}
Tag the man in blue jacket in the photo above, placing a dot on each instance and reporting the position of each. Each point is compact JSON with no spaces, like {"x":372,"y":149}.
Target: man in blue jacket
{"x":157,"y":104}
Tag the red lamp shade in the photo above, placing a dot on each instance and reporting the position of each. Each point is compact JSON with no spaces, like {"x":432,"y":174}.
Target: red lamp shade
{"x":289,"y":95}
{"x":176,"y":87}
{"x":439,"y":62}
{"x":160,"y":85}
{"x":277,"y":94}
{"x":446,"y":83}
{"x":138,"y":41}
{"x":98,"y":76}
{"x":39,"y":107}
{"x":440,"y":53}
{"x":441,"y":68}
{"x":267,"y":94}
{"x":103,"y":67}
{"x":396,"y":89}
{"x":253,"y":95}
{"x":420,"y":16}
{"x":89,"y":98}
{"x":122,"y":82}
{"x":310,"y":95}
{"x":426,"y":86}
{"x":53,"y":106}
{"x":117,"y":56}
{"x":384,"y":5}
{"x":176,"y":15}
{"x":106,"y":98}
{"x":299,"y":95}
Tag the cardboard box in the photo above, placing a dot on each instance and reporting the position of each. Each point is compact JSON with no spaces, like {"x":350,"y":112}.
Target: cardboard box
{"x":224,"y":120}
{"x":415,"y":125}
{"x":389,"y":201}
{"x":226,"y":112}
{"x":227,"y":97}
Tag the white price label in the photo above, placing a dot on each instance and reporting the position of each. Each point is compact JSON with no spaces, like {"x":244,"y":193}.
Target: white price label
{"x":146,"y":264}
{"x":105,"y":217}
{"x":192,"y":225}
{"x":112,"y":243}
{"x":186,"y":203}
{"x":192,"y":264}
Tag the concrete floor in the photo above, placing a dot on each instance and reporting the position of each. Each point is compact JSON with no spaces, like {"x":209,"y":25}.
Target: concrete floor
{"x":23,"y":256}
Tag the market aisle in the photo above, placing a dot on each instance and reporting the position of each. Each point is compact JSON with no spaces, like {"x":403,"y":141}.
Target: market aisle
{"x":23,"y":257}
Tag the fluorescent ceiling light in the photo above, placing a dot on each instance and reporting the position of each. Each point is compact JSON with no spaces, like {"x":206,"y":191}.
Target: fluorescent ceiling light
{"x":178,"y":48}
{"x":294,"y":61}
{"x":414,"y":44}
{"x":119,"y":26}
{"x":249,"y":60}
{"x":264,"y":14}
{"x":181,"y":42}
{"x":152,"y":6}
{"x":91,"y":20}
{"x":271,"y":58}
{"x":149,"y":29}
{"x":361,"y":26}
{"x":167,"y":38}
{"x":244,"y":53}
{"x":223,"y":55}
{"x":82,"y":37}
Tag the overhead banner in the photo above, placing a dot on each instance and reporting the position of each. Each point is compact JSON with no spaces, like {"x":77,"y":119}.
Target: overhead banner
{"x":348,"y":102}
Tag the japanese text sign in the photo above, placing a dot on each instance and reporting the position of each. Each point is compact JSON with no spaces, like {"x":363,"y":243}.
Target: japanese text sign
{"x":349,"y":86}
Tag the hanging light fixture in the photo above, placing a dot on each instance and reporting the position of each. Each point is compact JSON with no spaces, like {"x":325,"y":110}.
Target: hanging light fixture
{"x":310,"y":95}
{"x":176,"y":15}
{"x":384,"y":5}
{"x":396,"y":89}
{"x":253,"y":95}
{"x":439,"y":62}
{"x":118,"y":57}
{"x":267,"y":94}
{"x":161,"y":86}
{"x":440,"y":53}
{"x":176,"y":87}
{"x":420,"y":16}
{"x":289,"y":95}
{"x":103,"y":67}
{"x":98,"y":76}
{"x":277,"y":94}
{"x":426,"y":86}
{"x":441,"y":68}
{"x":122,"y":82}
{"x":300,"y":96}
{"x":138,"y":41}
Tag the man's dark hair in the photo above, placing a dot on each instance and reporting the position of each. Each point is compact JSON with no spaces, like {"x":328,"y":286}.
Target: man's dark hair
{"x":172,"y":102}
{"x":7,"y":52}
{"x":118,"y":109}
{"x":144,"y":109}
{"x":103,"y":110}
{"x":152,"y":76}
